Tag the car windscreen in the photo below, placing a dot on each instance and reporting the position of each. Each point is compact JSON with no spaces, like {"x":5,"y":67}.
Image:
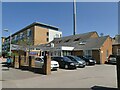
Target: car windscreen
{"x":77,"y":58}
{"x":66,"y":59}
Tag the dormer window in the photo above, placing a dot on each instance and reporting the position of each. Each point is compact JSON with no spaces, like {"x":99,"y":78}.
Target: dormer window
{"x":59,"y":41}
{"x":82,"y":43}
{"x":77,"y":39}
{"x":67,"y":40}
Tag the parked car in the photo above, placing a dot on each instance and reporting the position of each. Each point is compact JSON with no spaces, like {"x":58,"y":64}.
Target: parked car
{"x":65,"y":62}
{"x":88,"y":59}
{"x":112,"y":59}
{"x":79,"y":62}
{"x":39,"y":62}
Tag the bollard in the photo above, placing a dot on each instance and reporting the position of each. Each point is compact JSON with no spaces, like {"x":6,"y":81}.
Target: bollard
{"x":47,"y":65}
{"x":118,"y":71}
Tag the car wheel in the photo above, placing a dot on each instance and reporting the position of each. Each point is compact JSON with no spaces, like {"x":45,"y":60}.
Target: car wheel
{"x":66,"y":66}
{"x":83,"y":66}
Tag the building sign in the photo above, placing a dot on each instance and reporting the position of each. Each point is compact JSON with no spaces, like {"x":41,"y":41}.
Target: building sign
{"x":33,"y":53}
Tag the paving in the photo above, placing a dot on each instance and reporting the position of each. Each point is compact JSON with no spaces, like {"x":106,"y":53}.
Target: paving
{"x":88,"y":77}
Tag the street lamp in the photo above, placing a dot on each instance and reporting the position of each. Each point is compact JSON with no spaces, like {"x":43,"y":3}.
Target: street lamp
{"x":6,"y":30}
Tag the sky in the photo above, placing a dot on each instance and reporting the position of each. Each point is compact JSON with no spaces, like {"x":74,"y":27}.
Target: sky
{"x":91,"y":16}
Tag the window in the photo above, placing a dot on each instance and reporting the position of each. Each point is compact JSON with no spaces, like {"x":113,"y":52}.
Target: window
{"x":88,"y":52}
{"x":47,"y":33}
{"x":28,"y":32}
{"x":47,"y":39}
{"x":82,"y":43}
{"x":77,"y":39}
{"x":67,"y":40}
{"x":60,"y":41}
{"x":118,"y":51}
{"x":15,"y":37}
{"x":37,"y":48}
{"x":57,"y":36}
{"x":60,"y":35}
{"x":21,"y":35}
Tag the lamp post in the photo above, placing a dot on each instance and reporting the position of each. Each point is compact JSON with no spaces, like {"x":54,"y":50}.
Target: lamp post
{"x":6,"y":30}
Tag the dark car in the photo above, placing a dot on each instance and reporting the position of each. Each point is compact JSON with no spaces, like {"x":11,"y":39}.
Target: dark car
{"x":64,"y":62}
{"x":79,"y":62}
{"x":112,"y":59}
{"x":88,"y":59}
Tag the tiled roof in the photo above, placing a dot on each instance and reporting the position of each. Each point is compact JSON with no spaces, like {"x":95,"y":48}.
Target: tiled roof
{"x":91,"y":43}
{"x":81,"y":41}
{"x":73,"y":38}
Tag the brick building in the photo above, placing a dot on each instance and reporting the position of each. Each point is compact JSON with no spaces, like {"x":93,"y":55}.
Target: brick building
{"x":33,"y":34}
{"x":82,"y":44}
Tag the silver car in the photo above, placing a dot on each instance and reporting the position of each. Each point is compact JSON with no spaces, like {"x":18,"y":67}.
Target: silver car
{"x":39,"y":62}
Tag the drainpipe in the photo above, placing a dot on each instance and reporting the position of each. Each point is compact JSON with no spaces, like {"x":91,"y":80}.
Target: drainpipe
{"x":100,"y":55}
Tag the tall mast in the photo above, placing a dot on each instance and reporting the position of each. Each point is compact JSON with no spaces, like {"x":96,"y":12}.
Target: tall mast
{"x":74,"y":17}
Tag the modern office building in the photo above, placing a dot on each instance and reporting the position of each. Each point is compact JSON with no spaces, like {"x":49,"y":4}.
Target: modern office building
{"x":33,"y":34}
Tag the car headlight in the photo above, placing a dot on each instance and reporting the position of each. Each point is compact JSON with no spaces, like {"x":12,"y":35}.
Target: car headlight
{"x":72,"y":64}
{"x":91,"y":60}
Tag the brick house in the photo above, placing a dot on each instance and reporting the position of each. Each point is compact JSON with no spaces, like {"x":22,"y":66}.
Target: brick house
{"x":81,"y":44}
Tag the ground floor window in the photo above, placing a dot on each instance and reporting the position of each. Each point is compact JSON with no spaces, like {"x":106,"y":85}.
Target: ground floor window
{"x":65,"y":53}
{"x":118,"y":51}
{"x":87,"y":52}
{"x":60,"y":53}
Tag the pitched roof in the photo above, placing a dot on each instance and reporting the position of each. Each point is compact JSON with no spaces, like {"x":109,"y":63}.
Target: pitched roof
{"x":73,"y":38}
{"x":91,"y":43}
{"x":81,"y":41}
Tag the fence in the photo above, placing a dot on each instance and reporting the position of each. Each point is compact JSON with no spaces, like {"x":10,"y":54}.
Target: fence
{"x":19,"y":61}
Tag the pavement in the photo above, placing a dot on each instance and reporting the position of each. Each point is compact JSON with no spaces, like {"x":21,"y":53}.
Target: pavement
{"x":88,"y":77}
